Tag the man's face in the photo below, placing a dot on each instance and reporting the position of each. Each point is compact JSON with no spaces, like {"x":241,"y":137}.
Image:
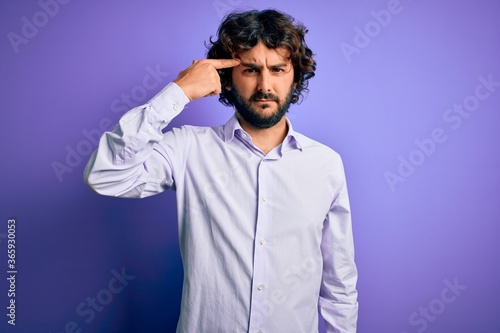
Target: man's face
{"x":262,"y":85}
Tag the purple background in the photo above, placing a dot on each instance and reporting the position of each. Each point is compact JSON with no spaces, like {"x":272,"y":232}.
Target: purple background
{"x":438,"y":226}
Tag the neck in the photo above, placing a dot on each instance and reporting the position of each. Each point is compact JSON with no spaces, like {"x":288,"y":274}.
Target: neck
{"x":266,"y":139}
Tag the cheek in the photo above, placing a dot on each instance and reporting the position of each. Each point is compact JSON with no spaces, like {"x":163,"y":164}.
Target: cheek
{"x":245,"y":86}
{"x":285,"y":88}
{"x":288,"y":82}
{"x":238,"y":80}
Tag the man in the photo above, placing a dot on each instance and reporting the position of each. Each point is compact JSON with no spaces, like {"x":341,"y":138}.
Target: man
{"x":264,"y":219}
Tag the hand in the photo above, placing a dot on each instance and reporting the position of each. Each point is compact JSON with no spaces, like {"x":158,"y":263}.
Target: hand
{"x":201,"y":78}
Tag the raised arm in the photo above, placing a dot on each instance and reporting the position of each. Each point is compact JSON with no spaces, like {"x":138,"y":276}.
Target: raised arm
{"x":135,"y":159}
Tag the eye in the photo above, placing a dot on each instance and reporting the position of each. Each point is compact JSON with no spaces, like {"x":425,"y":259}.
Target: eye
{"x":278,"y":70}
{"x":250,"y":70}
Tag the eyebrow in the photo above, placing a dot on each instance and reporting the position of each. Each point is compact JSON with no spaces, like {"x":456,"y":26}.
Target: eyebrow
{"x":254,"y":65}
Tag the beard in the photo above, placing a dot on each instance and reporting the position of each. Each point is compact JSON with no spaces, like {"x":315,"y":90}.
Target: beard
{"x":254,"y":118}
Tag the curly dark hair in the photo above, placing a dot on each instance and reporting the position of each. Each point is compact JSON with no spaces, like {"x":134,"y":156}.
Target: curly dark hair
{"x":241,"y":31}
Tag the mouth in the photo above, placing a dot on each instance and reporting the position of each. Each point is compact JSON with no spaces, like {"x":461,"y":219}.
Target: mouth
{"x":264,"y":100}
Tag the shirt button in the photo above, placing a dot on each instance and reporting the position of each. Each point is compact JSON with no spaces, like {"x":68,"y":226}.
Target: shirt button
{"x":244,"y":136}
{"x":264,"y":198}
{"x":262,"y":242}
{"x":176,"y":107}
{"x":260,"y":287}
{"x":150,"y":130}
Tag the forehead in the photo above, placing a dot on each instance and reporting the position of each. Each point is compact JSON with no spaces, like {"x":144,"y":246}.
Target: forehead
{"x":261,"y":54}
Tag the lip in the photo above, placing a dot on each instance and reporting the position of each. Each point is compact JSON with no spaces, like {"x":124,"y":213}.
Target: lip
{"x":263,"y":100}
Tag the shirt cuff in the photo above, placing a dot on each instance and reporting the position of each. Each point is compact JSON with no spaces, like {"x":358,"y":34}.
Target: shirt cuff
{"x":170,"y":101}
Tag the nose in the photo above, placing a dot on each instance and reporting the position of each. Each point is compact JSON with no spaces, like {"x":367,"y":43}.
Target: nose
{"x":264,"y":81}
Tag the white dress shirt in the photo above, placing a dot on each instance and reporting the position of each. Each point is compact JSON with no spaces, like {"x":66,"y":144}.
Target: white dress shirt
{"x":266,"y":239}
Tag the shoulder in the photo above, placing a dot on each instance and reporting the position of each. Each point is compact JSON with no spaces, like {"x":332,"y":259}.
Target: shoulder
{"x":192,"y":130}
{"x":312,"y":146}
{"x":193,"y":134}
{"x":323,"y":164}
{"x":202,"y":130}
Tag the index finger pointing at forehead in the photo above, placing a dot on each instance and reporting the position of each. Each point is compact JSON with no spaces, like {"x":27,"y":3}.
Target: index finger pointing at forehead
{"x":223,"y":63}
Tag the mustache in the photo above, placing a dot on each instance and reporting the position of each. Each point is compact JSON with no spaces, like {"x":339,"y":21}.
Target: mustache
{"x":261,"y":95}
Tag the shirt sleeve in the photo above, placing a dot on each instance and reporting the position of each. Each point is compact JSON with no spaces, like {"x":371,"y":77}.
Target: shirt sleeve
{"x":338,"y":295}
{"x":135,"y":158}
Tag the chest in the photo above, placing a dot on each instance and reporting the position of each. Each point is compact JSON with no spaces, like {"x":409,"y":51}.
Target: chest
{"x":293,"y":186}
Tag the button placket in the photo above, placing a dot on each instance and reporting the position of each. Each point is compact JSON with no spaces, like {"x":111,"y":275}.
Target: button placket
{"x":260,"y":294}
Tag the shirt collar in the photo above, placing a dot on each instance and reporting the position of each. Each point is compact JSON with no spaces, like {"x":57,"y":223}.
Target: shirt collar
{"x":291,"y":141}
